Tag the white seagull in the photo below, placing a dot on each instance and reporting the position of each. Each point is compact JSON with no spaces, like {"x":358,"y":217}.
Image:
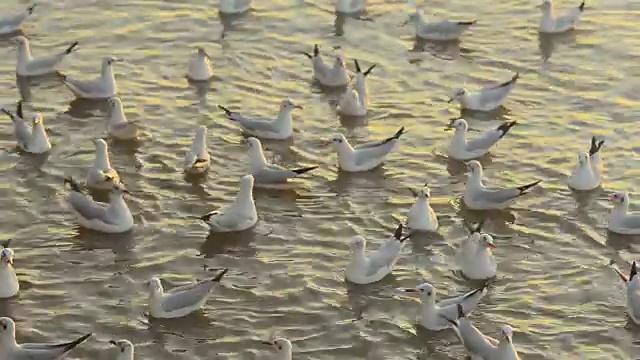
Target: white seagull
{"x":102,"y":87}
{"x":11,"y":350}
{"x":125,"y":349}
{"x":330,"y":76}
{"x":232,"y":7}
{"x":550,"y":23}
{"x":265,"y":173}
{"x":101,"y":176}
{"x":363,"y":157}
{"x":463,"y":149}
{"x":587,"y":174}
{"x":421,"y":216}
{"x":111,"y":218}
{"x":239,"y":215}
{"x":477,"y":196}
{"x":475,"y":255}
{"x":355,"y":100}
{"x":119,"y":127}
{"x":350,"y":6}
{"x":198,"y":160}
{"x":279,"y":129}
{"x":481,"y":346}
{"x":432,"y":315}
{"x":34,"y":139}
{"x":200,"y":68}
{"x":12,"y":22}
{"x":632,"y":283}
{"x":486,"y":99}
{"x":373,"y":267}
{"x":436,"y":31}
{"x":27,"y":65}
{"x":283,"y":348}
{"x":620,"y":220}
{"x":9,"y":285}
{"x":182,"y":300}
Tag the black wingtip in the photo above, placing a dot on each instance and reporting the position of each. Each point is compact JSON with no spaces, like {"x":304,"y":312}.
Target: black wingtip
{"x":19,"y":110}
{"x":219,"y":276}
{"x":595,"y":145}
{"x":308,"y":55}
{"x":368,"y":71}
{"x":506,"y":126}
{"x":71,"y":47}
{"x":358,"y":69}
{"x":398,"y":133}
{"x":581,"y":7}
{"x":7,"y":243}
{"x":305,"y":169}
{"x":68,"y":347}
{"x":7,"y":112}
{"x":206,"y":216}
{"x":524,"y":188}
{"x":467,"y":23}
{"x":461,"y":313}
{"x":633,"y":272}
{"x":72,"y":183}
{"x":398,"y":232}
{"x":31,"y":8}
{"x":316,"y":50}
{"x":226,"y":110}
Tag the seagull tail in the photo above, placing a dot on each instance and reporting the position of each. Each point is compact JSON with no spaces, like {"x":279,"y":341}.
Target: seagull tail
{"x":308,"y":55}
{"x":8,"y":113}
{"x":506,"y":126}
{"x":524,"y":188}
{"x":305,"y":169}
{"x":220,"y":275}
{"x":398,"y":133}
{"x":581,"y":7}
{"x":467,"y":23}
{"x":316,"y":50}
{"x":69,"y":346}
{"x":73,"y":184}
{"x":31,"y":8}
{"x":205,"y":217}
{"x":226,"y":110}
{"x":71,"y":47}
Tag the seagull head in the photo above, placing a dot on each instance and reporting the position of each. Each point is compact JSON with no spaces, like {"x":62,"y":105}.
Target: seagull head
{"x":358,"y":243}
{"x":339,"y":61}
{"x":100,"y":144}
{"x":6,"y":257}
{"x":583,"y":159}
{"x":155,"y":286}
{"x":423,"y":193}
{"x":458,"y":94}
{"x":37,"y":120}
{"x":20,"y":40}
{"x":246,"y":183}
{"x":203,"y":53}
{"x":118,"y":189}
{"x":474,"y":167}
{"x":7,"y":329}
{"x":337,"y":140}
{"x":115,"y":102}
{"x":253,"y":143}
{"x":506,"y":332}
{"x":282,"y":345}
{"x":546,"y":5}
{"x":110,"y":60}
{"x":427,"y":292}
{"x":458,"y":125}
{"x":287,"y":104}
{"x":123,"y":346}
{"x":618,"y":198}
{"x":487,"y":241}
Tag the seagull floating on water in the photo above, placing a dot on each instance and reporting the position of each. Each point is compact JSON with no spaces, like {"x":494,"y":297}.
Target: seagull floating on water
{"x":9,"y":285}
{"x":125,"y":349}
{"x":436,"y":31}
{"x":182,"y":300}
{"x":475,"y":255}
{"x":283,"y":348}
{"x":265,"y":173}
{"x":101,"y":175}
{"x":620,"y":220}
{"x":632,"y":283}
{"x":486,"y":99}
{"x":463,"y":149}
{"x":12,"y":22}
{"x":231,"y":7}
{"x":279,"y":129}
{"x":477,"y":196}
{"x":421,"y":216}
{"x":432,"y":315}
{"x":363,"y":157}
{"x":111,"y":218}
{"x":198,"y":160}
{"x":238,"y":216}
{"x":553,"y":24}
{"x":27,"y":65}
{"x":102,"y":87}
{"x":330,"y":76}
{"x":355,"y":100}
{"x":348,"y":7}
{"x":200,"y":68}
{"x":11,"y":350}
{"x":587,"y":174}
{"x":34,"y":139}
{"x":373,"y":267}
{"x":119,"y":127}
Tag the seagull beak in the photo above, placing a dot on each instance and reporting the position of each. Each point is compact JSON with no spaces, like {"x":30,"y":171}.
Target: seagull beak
{"x":119,"y":60}
{"x":125,"y":191}
{"x":406,"y":22}
{"x":326,"y":143}
{"x":491,"y":245}
{"x":450,"y":100}
{"x":298,"y":107}
{"x":611,"y":197}
{"x":539,"y":6}
{"x":113,"y":342}
{"x":267,"y":342}
{"x":410,"y":290}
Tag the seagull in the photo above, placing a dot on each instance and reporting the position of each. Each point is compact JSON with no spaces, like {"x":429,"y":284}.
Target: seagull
{"x":11,"y":350}
{"x":335,"y":76}
{"x":355,"y":100}
{"x":111,"y":218}
{"x":102,"y":87}
{"x":265,"y":173}
{"x":632,"y":283}
{"x":119,"y":127}
{"x":283,"y":348}
{"x":43,"y":65}
{"x":101,"y":175}
{"x":480,"y":345}
{"x":125,"y":349}
{"x":463,"y":149}
{"x":182,"y":300}
{"x":477,"y":260}
{"x":421,"y":216}
{"x":12,"y":22}
{"x":367,"y":269}
{"x":620,"y":220}
{"x":432,"y":315}
{"x":238,"y":216}
{"x":9,"y":285}
{"x":350,"y":6}
{"x":436,"y":31}
{"x":363,"y":157}
{"x":34,"y":139}
{"x":587,"y":174}
{"x":477,"y":196}
{"x":200,"y":68}
{"x":279,"y":129}
{"x":231,"y":7}
{"x":552,"y":24}
{"x":197,"y":160}
{"x":486,"y":99}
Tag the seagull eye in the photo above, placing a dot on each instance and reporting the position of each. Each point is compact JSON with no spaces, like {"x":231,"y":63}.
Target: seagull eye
{"x":429,"y":293}
{"x":279,"y":347}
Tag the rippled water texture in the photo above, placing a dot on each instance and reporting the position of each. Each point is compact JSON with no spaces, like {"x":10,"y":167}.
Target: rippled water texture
{"x":555,"y":286}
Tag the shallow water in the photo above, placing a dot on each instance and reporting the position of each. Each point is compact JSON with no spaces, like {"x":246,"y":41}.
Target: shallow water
{"x":555,"y":286}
